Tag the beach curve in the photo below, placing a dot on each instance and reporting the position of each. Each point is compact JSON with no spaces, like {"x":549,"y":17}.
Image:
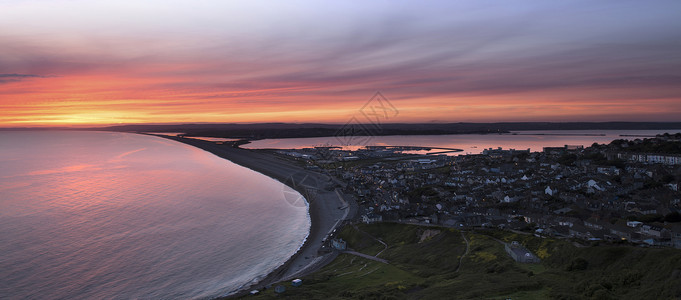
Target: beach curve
{"x":327,"y":210}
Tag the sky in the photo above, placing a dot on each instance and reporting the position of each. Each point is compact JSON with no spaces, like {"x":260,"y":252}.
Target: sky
{"x":76,"y":62}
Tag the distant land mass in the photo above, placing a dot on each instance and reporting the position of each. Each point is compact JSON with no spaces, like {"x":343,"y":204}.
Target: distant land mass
{"x":300,"y":130}
{"x":295,"y":130}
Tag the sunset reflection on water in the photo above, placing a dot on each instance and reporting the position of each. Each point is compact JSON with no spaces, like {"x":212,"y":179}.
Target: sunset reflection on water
{"x":160,"y":219}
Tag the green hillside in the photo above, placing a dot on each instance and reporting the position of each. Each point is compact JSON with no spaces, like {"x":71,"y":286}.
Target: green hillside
{"x":424,"y":264}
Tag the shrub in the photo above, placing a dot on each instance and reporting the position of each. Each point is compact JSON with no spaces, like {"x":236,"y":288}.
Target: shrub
{"x":578,"y":264}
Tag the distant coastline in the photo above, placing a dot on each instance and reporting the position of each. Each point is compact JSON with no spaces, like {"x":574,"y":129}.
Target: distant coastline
{"x":294,"y":130}
{"x":561,"y":134}
{"x":301,"y":130}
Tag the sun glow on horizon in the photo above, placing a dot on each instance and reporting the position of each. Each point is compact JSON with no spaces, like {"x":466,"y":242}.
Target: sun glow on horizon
{"x":99,"y":63}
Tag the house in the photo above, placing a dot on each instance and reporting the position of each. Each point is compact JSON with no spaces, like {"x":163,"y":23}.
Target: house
{"x":622,"y":231}
{"x":538,"y":219}
{"x":588,"y":233}
{"x":339,"y":244}
{"x":654,"y":231}
{"x":371,"y":218}
{"x":296,"y":282}
{"x":658,"y":242}
{"x":566,"y":221}
{"x":562,"y":211}
{"x":592,"y":184}
{"x":561,"y":230}
{"x":675,"y":231}
{"x":548,"y":191}
{"x":673,"y":186}
{"x":634,"y":224}
{"x":608,"y":170}
{"x":579,"y":231}
{"x":651,"y":158}
{"x":594,"y":224}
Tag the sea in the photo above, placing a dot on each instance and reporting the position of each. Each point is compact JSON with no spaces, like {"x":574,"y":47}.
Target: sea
{"x":101,"y":215}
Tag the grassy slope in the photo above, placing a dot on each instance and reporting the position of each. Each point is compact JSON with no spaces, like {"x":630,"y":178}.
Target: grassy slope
{"x":427,"y":270}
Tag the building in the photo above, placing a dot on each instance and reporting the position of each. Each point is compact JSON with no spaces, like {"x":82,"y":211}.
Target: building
{"x":498,"y":153}
{"x":371,"y":218}
{"x":520,"y":254}
{"x":296,"y":282}
{"x":651,"y":158}
{"x":563,"y":150}
{"x":339,"y":244}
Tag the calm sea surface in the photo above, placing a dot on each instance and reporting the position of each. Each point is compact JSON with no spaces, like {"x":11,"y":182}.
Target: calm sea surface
{"x":469,"y":143}
{"x":95,"y":215}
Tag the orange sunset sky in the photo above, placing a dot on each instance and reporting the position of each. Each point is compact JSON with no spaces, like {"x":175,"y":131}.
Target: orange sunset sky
{"x":76,"y":63}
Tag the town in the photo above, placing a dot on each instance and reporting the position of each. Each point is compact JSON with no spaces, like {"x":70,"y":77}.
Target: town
{"x":623,"y":192}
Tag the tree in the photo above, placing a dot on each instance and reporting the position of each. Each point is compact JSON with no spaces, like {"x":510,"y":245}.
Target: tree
{"x":667,"y":178}
{"x":673,"y":217}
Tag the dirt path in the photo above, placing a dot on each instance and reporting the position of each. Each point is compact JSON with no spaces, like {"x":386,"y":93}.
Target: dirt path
{"x":374,"y":258}
{"x":385,"y":247}
{"x":465,"y":253}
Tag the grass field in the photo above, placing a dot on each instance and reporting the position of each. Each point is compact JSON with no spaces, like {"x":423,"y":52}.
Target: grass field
{"x":427,"y":269}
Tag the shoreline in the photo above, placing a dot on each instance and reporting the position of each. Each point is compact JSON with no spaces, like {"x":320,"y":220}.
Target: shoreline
{"x":323,"y":207}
